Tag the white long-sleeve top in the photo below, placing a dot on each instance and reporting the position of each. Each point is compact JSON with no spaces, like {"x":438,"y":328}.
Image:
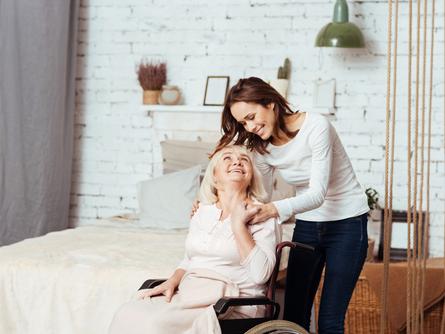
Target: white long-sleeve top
{"x":211,"y":244}
{"x":315,"y":162}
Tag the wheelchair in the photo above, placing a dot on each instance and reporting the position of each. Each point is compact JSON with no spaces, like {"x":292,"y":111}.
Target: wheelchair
{"x":266,"y":324}
{"x":277,"y":327}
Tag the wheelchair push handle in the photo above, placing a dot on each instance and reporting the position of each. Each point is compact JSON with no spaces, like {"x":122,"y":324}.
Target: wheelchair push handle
{"x":305,"y":246}
{"x":293,"y":244}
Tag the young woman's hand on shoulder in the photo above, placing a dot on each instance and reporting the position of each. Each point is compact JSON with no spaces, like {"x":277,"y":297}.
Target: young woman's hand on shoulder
{"x":195,"y":207}
{"x":265,"y":212}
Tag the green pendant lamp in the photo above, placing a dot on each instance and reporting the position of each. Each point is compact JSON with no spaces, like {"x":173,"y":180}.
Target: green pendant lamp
{"x":340,"y":33}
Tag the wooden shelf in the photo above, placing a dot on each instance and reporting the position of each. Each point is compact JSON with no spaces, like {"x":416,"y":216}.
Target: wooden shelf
{"x":182,"y":108}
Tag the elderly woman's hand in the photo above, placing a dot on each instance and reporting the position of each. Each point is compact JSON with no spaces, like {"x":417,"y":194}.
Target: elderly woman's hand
{"x":167,"y":289}
{"x":266,"y":212}
{"x":242,"y":213}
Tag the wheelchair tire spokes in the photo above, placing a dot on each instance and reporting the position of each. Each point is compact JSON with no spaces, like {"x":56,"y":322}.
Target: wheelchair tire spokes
{"x":277,"y":327}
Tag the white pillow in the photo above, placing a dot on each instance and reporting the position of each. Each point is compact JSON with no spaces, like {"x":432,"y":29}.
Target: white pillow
{"x":166,"y":202}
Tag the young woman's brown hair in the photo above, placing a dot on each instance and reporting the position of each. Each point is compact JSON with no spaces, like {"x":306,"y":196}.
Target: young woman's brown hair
{"x":253,"y":90}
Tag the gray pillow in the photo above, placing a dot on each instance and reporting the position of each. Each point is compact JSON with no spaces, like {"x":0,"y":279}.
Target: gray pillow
{"x":165,"y":202}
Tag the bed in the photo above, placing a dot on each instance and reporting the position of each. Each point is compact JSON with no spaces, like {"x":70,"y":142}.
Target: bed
{"x":73,"y":281}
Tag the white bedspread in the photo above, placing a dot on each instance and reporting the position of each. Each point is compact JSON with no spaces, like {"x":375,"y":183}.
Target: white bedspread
{"x":73,"y":281}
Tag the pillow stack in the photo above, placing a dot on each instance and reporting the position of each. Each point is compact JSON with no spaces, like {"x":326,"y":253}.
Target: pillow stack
{"x":165,"y":202}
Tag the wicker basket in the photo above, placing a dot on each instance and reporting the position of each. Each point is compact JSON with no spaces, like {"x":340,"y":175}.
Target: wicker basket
{"x":363,"y":315}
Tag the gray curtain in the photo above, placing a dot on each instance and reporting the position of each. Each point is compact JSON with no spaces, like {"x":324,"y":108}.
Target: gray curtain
{"x":37,"y":78}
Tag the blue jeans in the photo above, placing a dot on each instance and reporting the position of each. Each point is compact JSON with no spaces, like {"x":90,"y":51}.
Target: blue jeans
{"x":341,"y":247}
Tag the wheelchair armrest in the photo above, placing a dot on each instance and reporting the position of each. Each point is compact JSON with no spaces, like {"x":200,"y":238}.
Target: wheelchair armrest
{"x":224,"y":303}
{"x":151,"y":283}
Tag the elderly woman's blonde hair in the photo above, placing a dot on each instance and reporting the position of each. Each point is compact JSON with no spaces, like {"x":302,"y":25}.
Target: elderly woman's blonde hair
{"x":208,"y":193}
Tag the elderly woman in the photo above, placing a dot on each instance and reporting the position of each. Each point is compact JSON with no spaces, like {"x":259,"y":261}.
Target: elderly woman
{"x":224,"y":256}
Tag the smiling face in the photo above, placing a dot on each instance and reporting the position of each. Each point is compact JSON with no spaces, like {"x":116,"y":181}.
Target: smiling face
{"x":255,"y":118}
{"x":234,"y":166}
{"x":231,"y":169}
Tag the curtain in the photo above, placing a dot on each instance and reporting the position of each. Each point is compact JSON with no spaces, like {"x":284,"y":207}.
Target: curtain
{"x":37,"y":84}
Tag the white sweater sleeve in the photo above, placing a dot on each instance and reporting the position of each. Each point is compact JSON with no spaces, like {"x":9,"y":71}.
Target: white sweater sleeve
{"x":261,"y":260}
{"x":321,"y":143}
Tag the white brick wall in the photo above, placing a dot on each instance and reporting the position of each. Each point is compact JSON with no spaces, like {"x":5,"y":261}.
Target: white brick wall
{"x":114,"y":137}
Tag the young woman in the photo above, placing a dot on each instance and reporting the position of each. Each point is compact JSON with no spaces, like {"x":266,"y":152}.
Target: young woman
{"x":330,"y":205}
{"x":224,"y":256}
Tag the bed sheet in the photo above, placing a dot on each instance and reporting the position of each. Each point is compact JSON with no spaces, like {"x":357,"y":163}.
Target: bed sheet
{"x":73,"y":281}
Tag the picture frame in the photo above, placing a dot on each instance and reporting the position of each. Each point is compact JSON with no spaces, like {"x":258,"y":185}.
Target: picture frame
{"x":216,"y":90}
{"x":399,"y":236}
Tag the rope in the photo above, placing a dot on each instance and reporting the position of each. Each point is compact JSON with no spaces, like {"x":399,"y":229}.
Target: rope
{"x":442,"y":327}
{"x":416,"y":146}
{"x":387,"y":230}
{"x":409,"y":249}
{"x":430,"y":113}
{"x":393,"y":131}
{"x":420,"y":227}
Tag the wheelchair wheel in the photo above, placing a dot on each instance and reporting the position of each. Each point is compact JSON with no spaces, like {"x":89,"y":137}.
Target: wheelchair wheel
{"x":277,"y":327}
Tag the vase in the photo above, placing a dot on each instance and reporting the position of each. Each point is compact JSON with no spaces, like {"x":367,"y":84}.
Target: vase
{"x":151,"y":96}
{"x":280,"y":86}
{"x":170,"y":95}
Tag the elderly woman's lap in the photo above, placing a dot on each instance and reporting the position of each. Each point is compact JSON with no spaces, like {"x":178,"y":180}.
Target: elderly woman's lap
{"x":152,"y":315}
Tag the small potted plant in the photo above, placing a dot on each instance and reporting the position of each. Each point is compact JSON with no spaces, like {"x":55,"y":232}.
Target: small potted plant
{"x":374,"y":217}
{"x":151,"y":77}
{"x":373,"y":203}
{"x":281,"y":83}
